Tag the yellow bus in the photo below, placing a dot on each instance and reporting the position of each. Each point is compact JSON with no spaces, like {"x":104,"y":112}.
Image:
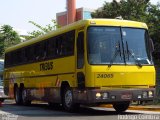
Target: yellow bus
{"x":89,"y":62}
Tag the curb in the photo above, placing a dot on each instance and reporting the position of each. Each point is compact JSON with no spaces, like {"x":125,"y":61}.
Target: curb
{"x":144,"y":108}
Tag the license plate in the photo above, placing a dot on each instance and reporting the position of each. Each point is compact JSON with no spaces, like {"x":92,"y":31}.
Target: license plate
{"x":126,"y":96}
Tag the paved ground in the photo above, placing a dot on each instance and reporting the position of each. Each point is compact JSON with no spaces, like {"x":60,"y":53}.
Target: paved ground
{"x":155,"y":108}
{"x":43,"y":112}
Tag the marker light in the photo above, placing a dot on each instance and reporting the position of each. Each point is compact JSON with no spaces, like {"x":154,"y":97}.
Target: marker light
{"x":105,"y":95}
{"x":113,"y":97}
{"x":145,"y":94}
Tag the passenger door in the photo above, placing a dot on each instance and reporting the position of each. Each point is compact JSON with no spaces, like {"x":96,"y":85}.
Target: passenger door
{"x":80,"y":60}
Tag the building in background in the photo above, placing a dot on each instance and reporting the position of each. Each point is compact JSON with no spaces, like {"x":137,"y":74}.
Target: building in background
{"x":72,"y":14}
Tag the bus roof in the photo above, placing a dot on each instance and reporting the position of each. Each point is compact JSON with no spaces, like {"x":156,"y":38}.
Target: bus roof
{"x":81,"y":23}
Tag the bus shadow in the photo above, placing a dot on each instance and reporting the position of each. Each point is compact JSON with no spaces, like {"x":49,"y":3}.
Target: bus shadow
{"x":43,"y":110}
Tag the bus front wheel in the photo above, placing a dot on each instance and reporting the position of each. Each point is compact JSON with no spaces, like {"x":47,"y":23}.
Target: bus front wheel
{"x":25,"y":101}
{"x":121,"y":106}
{"x":67,"y":100}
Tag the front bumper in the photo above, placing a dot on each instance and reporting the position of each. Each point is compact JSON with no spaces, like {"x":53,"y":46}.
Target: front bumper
{"x":89,"y":96}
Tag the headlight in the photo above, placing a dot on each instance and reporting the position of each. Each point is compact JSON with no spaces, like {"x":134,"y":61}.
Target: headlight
{"x":98,"y":95}
{"x":150,"y":94}
{"x":139,"y":96}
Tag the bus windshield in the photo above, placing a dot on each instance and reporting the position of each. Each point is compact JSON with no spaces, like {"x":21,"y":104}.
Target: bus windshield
{"x":118,"y":45}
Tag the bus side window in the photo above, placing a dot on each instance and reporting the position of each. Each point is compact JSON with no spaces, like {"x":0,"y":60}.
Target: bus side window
{"x":24,"y":59}
{"x":13,"y":58}
{"x":37,"y":51}
{"x":51,"y":48}
{"x":40,"y":51}
{"x":70,"y":42}
{"x":59,"y":45}
{"x":44,"y":50}
{"x":19,"y":56}
{"x":26,"y":54}
{"x":29,"y":52}
{"x":66,"y":44}
{"x":80,"y":50}
{"x":7,"y":59}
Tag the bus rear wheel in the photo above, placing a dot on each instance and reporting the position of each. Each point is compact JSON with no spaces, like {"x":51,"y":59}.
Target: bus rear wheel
{"x":18,"y":96}
{"x":121,"y":106}
{"x":67,"y":100}
{"x":1,"y":99}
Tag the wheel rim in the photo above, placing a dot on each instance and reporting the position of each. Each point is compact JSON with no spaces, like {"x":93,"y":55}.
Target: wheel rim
{"x":24,"y":94}
{"x":68,"y":98}
{"x":17,"y":95}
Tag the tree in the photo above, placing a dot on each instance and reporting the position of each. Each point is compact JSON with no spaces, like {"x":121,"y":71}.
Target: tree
{"x":8,"y":38}
{"x":43,"y":30}
{"x":139,"y":10}
{"x":128,"y":9}
{"x":153,"y":22}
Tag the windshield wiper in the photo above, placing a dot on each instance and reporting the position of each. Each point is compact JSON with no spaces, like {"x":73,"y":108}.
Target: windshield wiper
{"x":130,"y":53}
{"x":117,"y":51}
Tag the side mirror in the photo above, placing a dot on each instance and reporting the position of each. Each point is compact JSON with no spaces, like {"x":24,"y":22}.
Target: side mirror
{"x":151,"y":45}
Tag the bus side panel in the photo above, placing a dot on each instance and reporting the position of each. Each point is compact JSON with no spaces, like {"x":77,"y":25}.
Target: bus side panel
{"x":42,"y":84}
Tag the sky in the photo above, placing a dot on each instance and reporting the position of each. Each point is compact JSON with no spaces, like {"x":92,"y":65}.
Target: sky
{"x":17,"y":13}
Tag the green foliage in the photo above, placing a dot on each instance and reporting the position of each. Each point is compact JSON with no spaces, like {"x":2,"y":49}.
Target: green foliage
{"x":8,"y":38}
{"x":138,"y":10}
{"x":128,"y":9}
{"x":42,"y":30}
{"x":153,"y":22}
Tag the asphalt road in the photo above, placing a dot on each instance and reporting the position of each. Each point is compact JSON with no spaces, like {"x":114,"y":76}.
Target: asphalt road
{"x":41,"y":111}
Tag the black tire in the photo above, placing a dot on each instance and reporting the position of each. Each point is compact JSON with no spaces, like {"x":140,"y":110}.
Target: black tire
{"x":67,"y":100}
{"x":18,"y":96}
{"x":121,"y":106}
{"x":25,"y":100}
{"x":1,"y":99}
